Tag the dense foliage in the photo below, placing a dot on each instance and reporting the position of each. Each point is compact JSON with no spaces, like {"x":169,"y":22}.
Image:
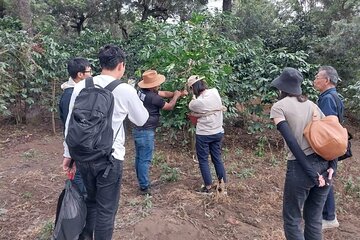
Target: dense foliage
{"x":238,"y":53}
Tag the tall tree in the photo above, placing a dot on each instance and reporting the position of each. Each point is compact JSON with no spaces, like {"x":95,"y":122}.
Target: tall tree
{"x":164,"y":9}
{"x":227,"y":6}
{"x":2,"y":8}
{"x":25,"y":14}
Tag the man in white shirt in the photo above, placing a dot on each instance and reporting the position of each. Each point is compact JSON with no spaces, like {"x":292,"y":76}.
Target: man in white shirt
{"x":103,"y":193}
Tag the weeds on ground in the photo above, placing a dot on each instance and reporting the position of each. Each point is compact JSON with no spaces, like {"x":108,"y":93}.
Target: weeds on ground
{"x":169,"y":174}
{"x":246,"y":173}
{"x":352,"y":187}
{"x":158,"y":159}
{"x":233,"y":168}
{"x":146,"y":205}
{"x":274,"y":161}
{"x":26,"y":195}
{"x":238,"y":152}
{"x":29,"y":154}
{"x":46,"y":231}
{"x":260,"y":148}
{"x":225,"y":153}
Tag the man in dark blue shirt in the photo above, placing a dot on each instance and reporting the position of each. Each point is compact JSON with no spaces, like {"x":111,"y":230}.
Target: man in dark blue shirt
{"x":144,"y":136}
{"x":330,"y":104}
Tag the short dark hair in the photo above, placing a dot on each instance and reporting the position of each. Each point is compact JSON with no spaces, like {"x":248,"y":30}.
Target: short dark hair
{"x":77,"y":65}
{"x":110,"y":56}
{"x":199,"y":87}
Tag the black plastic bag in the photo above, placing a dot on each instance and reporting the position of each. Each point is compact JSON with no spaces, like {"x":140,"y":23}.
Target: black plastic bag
{"x":70,"y":215}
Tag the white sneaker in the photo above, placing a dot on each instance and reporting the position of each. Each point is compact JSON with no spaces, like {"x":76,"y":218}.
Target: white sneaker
{"x":326,"y":224}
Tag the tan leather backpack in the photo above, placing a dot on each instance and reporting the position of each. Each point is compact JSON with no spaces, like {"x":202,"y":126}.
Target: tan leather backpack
{"x":326,"y":136}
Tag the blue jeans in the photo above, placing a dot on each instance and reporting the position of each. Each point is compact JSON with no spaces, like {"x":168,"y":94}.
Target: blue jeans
{"x":301,"y":194}
{"x":144,"y":148}
{"x":212,"y":144}
{"x":329,"y":207}
{"x":103,"y":196}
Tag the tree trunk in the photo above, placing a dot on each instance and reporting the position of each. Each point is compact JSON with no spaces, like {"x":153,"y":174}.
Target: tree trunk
{"x":226,"y":7}
{"x":25,"y":15}
{"x":53,"y":96}
{"x":2,"y":8}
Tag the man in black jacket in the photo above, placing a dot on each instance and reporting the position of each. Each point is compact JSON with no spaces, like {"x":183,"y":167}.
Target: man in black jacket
{"x":78,"y":69}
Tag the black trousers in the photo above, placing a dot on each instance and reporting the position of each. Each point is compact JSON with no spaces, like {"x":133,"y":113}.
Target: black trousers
{"x":103,"y":195}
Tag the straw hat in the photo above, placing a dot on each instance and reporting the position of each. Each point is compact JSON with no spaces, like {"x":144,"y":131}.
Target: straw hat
{"x":150,"y":79}
{"x":193,"y":79}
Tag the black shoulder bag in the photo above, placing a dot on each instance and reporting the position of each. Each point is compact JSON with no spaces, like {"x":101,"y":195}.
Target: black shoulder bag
{"x":341,"y":119}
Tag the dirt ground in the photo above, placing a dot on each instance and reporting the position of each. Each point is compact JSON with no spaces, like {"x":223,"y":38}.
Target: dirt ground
{"x":31,"y":180}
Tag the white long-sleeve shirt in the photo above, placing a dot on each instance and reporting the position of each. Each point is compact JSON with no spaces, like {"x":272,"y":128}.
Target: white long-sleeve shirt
{"x":126,"y":103}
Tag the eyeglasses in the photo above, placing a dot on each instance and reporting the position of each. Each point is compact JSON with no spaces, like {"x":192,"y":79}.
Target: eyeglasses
{"x":320,"y":77}
{"x":88,"y":71}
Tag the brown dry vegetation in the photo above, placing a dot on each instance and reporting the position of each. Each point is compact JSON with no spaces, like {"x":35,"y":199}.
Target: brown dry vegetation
{"x":31,"y":180}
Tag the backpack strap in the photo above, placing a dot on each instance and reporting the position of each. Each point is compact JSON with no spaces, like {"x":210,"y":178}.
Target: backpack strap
{"x":89,"y":82}
{"x":340,"y":115}
{"x":315,"y":114}
{"x":111,"y":86}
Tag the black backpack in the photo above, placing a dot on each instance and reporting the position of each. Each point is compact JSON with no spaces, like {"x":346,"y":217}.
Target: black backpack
{"x":90,"y":134}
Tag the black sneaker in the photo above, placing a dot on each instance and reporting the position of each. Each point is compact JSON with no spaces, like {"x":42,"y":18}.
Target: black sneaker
{"x":145,"y":191}
{"x":205,"y":190}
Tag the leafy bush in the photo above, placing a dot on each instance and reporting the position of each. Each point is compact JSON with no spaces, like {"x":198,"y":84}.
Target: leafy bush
{"x":32,"y":69}
{"x":16,"y":69}
{"x":353,"y":99}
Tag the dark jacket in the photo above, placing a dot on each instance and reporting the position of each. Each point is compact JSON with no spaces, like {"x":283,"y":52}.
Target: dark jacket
{"x":68,"y":88}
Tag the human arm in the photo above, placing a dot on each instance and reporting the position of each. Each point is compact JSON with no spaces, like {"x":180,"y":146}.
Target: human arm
{"x":170,"y":105}
{"x":195,"y":114}
{"x":168,"y":94}
{"x":137,"y":113}
{"x":283,"y":127}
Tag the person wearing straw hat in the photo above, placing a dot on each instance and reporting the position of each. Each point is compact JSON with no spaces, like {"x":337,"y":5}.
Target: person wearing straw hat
{"x":207,"y":106}
{"x":308,"y":175}
{"x":144,"y":136}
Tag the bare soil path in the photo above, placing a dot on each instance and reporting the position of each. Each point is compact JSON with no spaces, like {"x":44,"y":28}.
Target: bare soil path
{"x":31,"y":180}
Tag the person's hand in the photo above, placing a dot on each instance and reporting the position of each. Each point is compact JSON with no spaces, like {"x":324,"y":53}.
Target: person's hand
{"x":177,"y":93}
{"x":321,"y":180}
{"x":330,"y":173}
{"x":184,"y":93}
{"x":66,"y":166}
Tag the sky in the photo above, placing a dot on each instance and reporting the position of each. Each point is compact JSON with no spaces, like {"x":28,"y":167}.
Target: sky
{"x":215,"y":4}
